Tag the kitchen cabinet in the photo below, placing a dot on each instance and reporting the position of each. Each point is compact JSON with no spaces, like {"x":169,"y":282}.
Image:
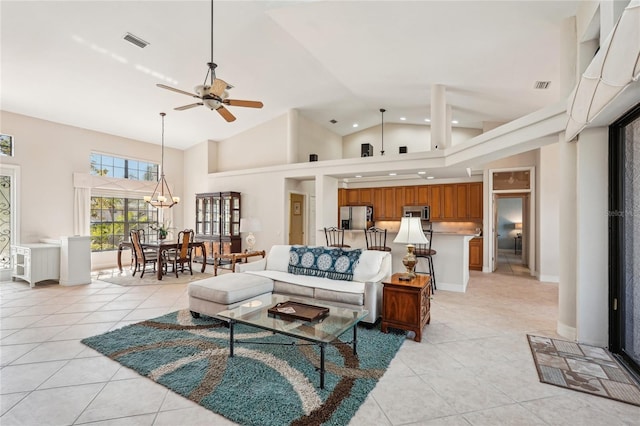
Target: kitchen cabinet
{"x":422,"y":195}
{"x":475,"y":201}
{"x":218,"y":223}
{"x":435,"y":198}
{"x":448,"y":202}
{"x":475,"y":254}
{"x":462,"y":201}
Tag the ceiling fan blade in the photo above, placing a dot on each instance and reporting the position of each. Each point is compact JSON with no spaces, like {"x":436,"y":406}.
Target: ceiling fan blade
{"x":182,"y":108}
{"x":238,"y":102}
{"x":219,"y":86}
{"x":226,"y":114}
{"x":173,"y":89}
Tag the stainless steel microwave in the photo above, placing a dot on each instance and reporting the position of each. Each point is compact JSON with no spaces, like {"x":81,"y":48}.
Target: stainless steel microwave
{"x":423,"y":212}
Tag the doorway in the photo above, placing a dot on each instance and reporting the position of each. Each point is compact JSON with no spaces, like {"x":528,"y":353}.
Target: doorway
{"x":511,"y":240}
{"x":296,"y":218}
{"x":9,"y":180}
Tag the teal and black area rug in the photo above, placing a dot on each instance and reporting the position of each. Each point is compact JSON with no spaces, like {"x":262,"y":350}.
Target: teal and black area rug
{"x":262,"y":384}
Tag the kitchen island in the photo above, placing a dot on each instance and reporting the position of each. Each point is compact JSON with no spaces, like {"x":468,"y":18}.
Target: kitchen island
{"x":451,"y":263}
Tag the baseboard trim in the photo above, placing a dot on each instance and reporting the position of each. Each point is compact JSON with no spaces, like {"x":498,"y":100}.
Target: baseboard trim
{"x":549,"y":278}
{"x":567,"y":331}
{"x":458,"y":288}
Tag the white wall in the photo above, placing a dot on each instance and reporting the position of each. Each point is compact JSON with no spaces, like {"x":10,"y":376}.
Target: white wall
{"x":315,"y":139}
{"x":197,"y":160}
{"x":49,"y":153}
{"x":548,"y":215}
{"x":263,"y":145}
{"x":593,"y":237}
{"x":416,"y":138}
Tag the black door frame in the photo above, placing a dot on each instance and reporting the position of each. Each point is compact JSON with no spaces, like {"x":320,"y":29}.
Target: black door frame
{"x":617,"y":252}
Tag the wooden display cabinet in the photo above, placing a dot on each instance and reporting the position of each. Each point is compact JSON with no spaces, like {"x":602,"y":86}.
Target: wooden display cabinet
{"x":218,"y":223}
{"x":406,"y":304}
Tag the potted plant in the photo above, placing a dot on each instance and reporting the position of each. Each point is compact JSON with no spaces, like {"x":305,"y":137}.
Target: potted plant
{"x":162,"y":229}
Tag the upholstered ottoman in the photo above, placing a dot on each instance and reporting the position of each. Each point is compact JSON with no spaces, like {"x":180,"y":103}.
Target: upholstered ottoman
{"x":226,"y":291}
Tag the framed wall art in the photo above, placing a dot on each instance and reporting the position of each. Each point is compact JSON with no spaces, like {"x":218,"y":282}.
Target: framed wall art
{"x":6,"y":145}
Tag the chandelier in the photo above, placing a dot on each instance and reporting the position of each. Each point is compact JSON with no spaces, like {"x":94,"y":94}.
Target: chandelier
{"x":161,"y":197}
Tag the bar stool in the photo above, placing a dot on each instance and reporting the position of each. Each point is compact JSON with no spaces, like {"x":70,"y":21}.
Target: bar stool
{"x":376,"y":239}
{"x":425,"y":251}
{"x":334,"y":237}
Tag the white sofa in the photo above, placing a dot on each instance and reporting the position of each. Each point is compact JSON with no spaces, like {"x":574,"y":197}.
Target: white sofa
{"x":365,"y":290}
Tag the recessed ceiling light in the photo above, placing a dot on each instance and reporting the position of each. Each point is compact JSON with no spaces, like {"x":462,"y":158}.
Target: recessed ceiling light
{"x":355,"y":124}
{"x":430,"y":177}
{"x":358,"y":176}
{"x":454,"y":121}
{"x":403,"y":118}
{"x":428,"y":120}
{"x":422,"y":173}
{"x":393,"y":174}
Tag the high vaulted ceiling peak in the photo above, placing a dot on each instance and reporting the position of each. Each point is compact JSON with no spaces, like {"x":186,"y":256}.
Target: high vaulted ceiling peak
{"x":67,"y":61}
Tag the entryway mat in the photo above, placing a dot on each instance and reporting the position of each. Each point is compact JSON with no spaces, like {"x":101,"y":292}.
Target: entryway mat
{"x":582,"y":368}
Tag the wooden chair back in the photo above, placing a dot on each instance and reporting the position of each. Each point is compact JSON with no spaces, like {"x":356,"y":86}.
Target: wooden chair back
{"x":137,"y":247}
{"x":376,"y":239}
{"x":334,"y":237}
{"x":184,"y":238}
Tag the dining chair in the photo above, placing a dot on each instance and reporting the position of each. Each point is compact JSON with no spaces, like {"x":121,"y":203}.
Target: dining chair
{"x":376,"y":239}
{"x":141,"y":257}
{"x":181,"y":253}
{"x":334,"y":237}
{"x":426,"y":252}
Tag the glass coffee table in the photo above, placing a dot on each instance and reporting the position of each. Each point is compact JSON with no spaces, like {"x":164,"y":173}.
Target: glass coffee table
{"x":320,"y":332}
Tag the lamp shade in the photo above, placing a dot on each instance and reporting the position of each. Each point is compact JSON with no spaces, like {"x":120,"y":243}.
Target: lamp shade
{"x":250,"y":224}
{"x":411,"y":232}
{"x":518,"y":225}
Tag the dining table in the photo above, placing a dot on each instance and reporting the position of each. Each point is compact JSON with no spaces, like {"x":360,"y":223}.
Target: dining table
{"x":159,"y":247}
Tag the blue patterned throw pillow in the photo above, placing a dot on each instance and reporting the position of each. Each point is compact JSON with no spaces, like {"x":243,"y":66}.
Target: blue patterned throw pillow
{"x":329,"y":262}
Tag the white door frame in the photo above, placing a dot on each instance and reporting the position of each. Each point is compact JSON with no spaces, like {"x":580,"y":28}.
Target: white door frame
{"x":491,"y":225}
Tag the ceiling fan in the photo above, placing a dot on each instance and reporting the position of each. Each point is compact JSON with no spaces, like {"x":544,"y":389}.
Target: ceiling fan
{"x":213,"y":95}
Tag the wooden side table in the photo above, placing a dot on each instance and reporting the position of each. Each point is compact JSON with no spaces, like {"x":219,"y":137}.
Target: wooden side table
{"x":233,"y":258}
{"x":407,"y":304}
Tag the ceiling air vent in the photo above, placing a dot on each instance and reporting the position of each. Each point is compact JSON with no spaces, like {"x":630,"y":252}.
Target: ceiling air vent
{"x":541,"y":85}
{"x":135,"y":40}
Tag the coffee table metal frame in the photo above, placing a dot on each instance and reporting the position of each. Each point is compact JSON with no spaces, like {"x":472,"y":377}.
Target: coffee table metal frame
{"x":325,"y":331}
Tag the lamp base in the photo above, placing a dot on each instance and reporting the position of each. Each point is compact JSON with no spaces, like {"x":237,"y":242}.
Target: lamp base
{"x":251,"y":241}
{"x":409,"y":262}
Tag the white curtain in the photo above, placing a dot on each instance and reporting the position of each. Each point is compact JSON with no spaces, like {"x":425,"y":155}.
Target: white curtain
{"x":615,"y":66}
{"x":86,"y":185}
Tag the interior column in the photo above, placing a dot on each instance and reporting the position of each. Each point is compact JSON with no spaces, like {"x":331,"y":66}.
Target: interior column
{"x":439,"y":117}
{"x":568,"y":240}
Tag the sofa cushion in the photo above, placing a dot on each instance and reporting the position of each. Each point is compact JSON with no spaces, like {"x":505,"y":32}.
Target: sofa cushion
{"x":373,"y":266}
{"x":312,"y":282}
{"x":330,"y":262}
{"x":278,"y":258}
{"x":281,"y":287}
{"x":339,"y":296}
{"x":230,"y":288}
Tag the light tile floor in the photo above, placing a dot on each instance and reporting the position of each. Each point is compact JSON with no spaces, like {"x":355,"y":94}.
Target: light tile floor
{"x":473,"y":366}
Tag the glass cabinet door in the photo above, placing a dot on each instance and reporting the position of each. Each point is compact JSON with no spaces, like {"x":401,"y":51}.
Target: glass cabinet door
{"x":216,"y":219}
{"x":207,"y":213}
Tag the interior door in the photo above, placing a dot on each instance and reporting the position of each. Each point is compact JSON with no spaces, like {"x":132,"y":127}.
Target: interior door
{"x":494,"y":232}
{"x":296,"y":219}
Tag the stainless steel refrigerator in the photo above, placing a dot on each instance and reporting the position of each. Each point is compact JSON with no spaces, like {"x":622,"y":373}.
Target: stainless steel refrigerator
{"x":356,"y":217}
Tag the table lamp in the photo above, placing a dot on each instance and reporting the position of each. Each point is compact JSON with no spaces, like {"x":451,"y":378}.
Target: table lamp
{"x":410,"y":233}
{"x":250,"y":225}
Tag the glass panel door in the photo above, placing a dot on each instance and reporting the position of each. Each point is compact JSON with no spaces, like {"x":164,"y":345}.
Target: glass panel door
{"x":624,"y":236}
{"x":5,"y":222}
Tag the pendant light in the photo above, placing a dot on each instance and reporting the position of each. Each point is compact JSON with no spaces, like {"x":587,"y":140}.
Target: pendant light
{"x":382,"y":111}
{"x":161,"y":197}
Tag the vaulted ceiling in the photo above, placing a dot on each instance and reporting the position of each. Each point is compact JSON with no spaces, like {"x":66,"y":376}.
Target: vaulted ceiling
{"x":332,"y":60}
